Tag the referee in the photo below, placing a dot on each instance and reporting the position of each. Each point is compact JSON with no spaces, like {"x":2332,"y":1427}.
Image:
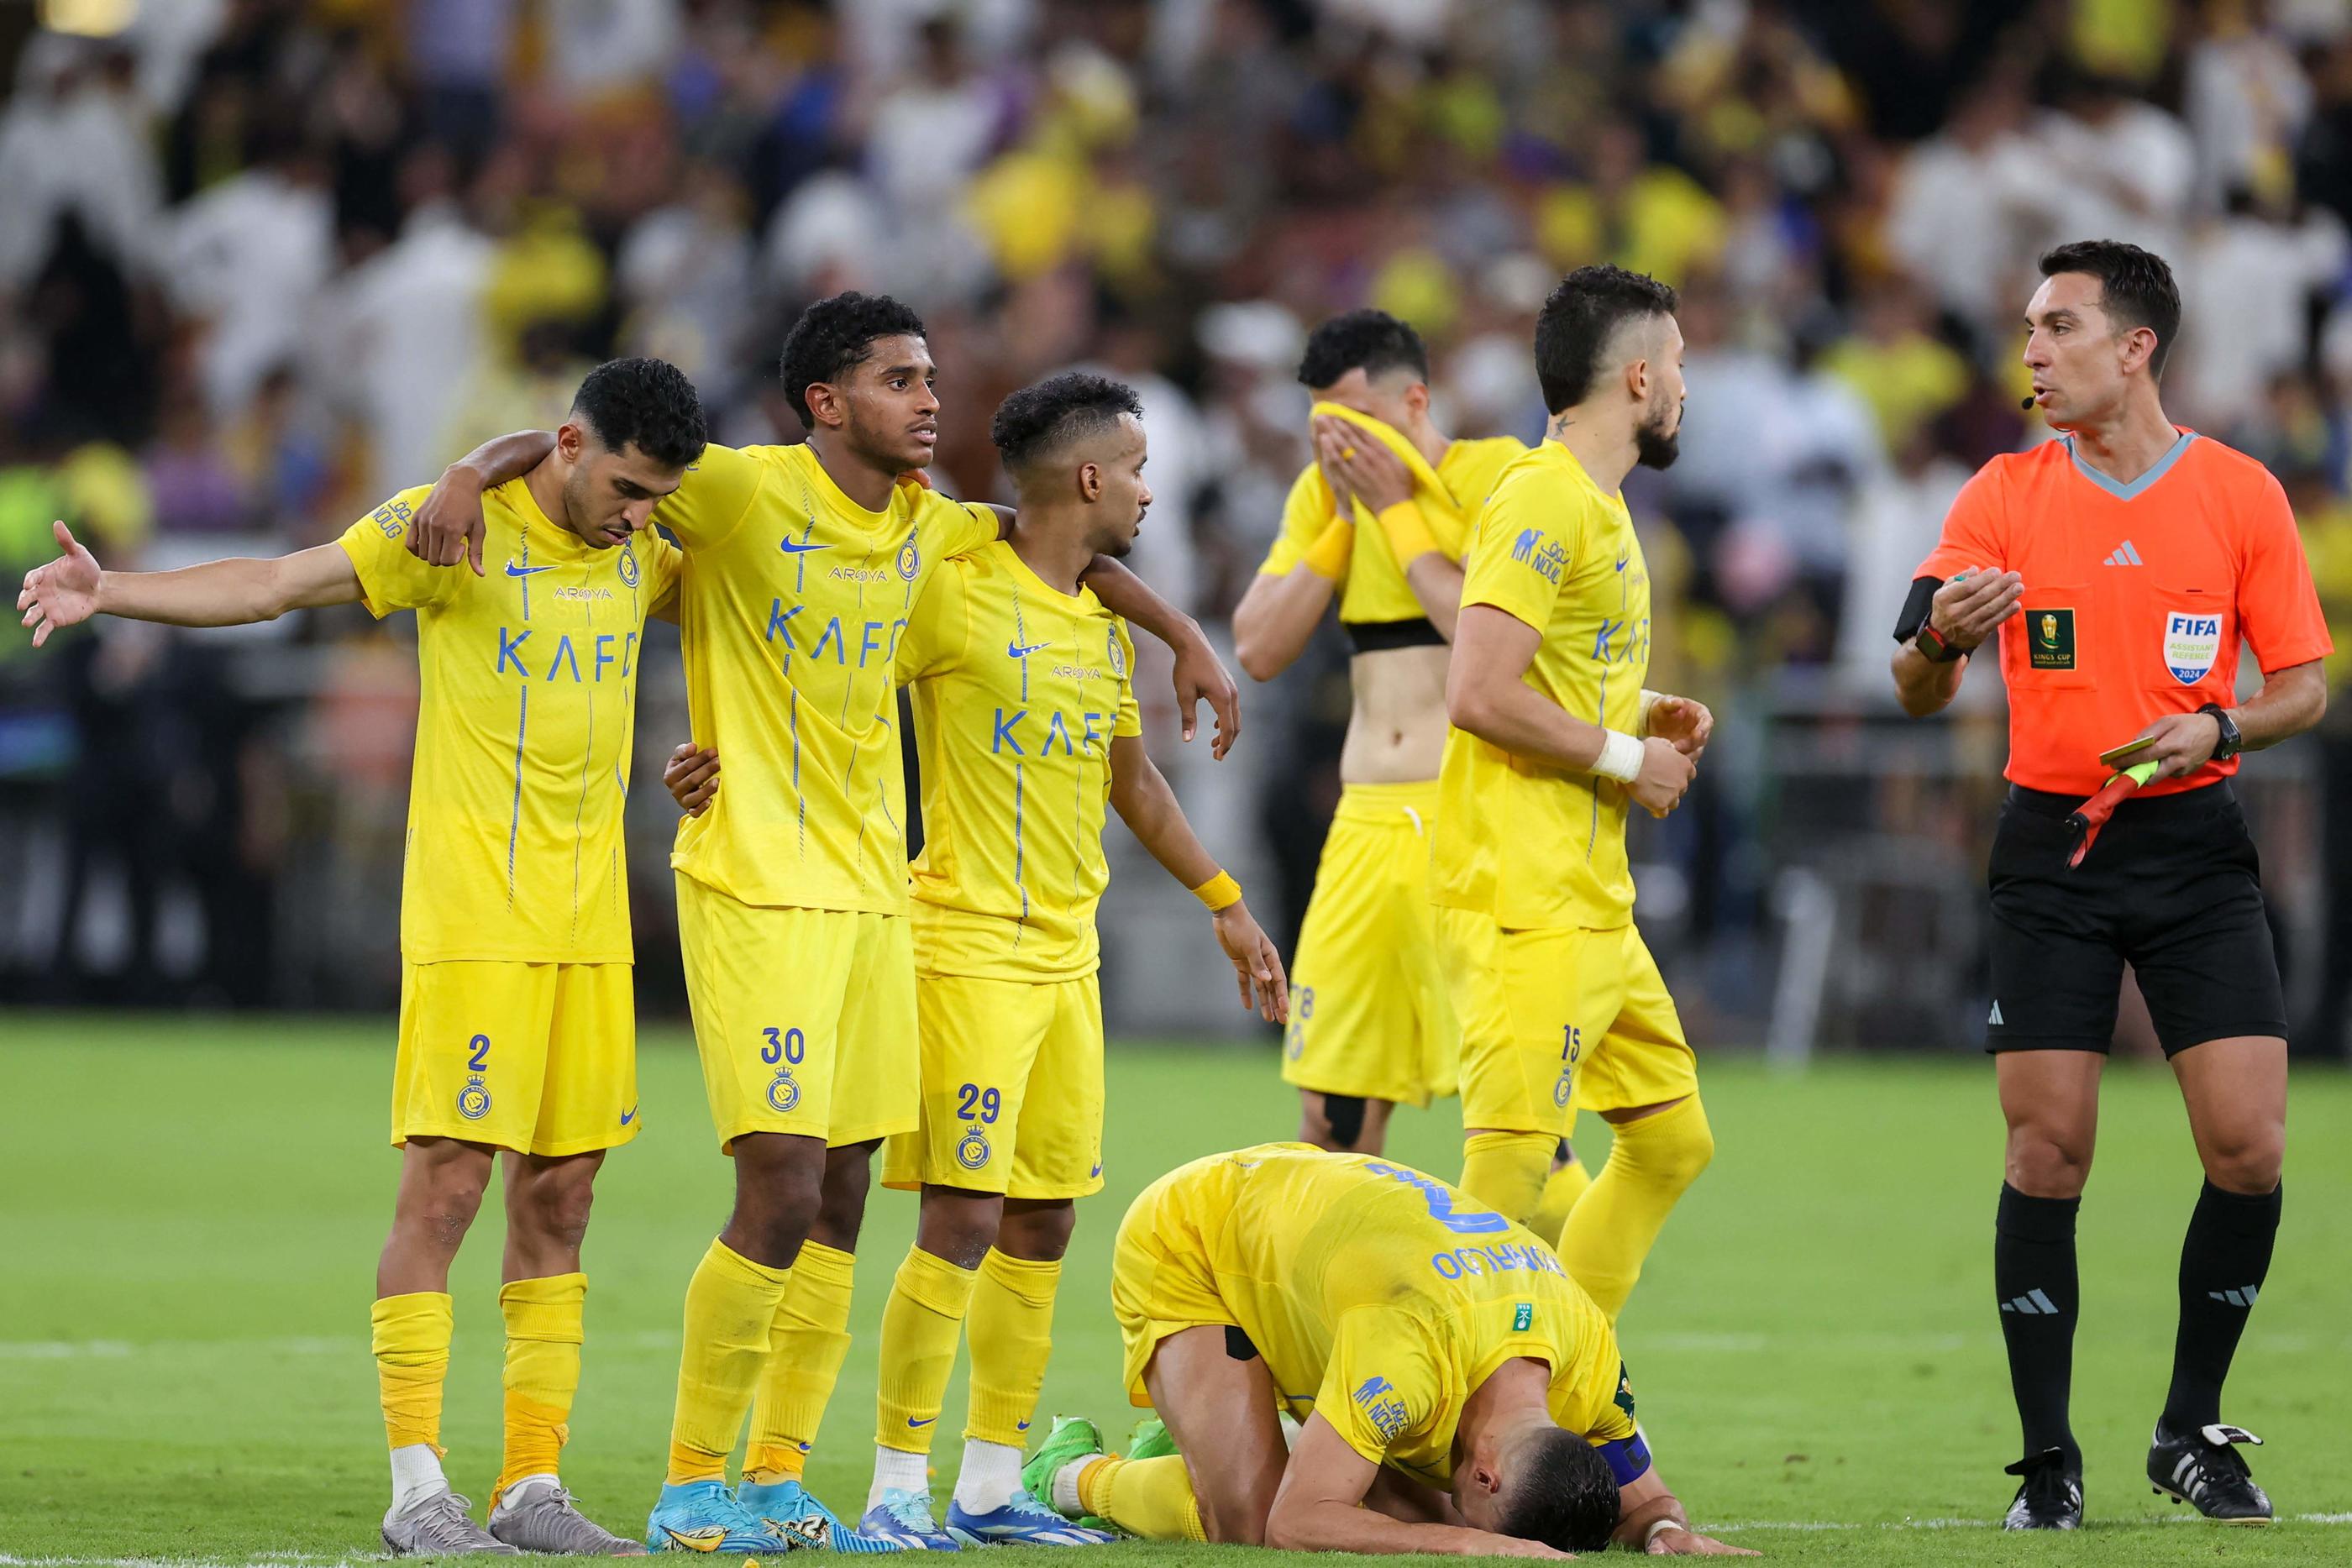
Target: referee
{"x":2122,"y":566}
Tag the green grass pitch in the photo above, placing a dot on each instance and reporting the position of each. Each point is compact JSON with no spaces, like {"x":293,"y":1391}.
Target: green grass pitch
{"x":190,"y":1214}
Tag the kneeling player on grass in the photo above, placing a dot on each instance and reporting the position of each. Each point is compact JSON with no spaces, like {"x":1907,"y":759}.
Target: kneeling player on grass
{"x":1025,"y":728}
{"x":1461,"y":1394}
{"x":518,"y":1025}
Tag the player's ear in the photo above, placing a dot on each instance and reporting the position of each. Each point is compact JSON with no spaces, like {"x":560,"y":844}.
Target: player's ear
{"x":571,"y":440}
{"x":825,"y":404}
{"x":1090,"y":483}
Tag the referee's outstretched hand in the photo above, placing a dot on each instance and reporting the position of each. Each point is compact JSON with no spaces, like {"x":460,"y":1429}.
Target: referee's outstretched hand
{"x":1968,"y":608}
{"x":1665,"y":774}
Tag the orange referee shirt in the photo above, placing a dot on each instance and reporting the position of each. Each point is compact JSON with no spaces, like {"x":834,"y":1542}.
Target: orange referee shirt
{"x":2135,"y":596}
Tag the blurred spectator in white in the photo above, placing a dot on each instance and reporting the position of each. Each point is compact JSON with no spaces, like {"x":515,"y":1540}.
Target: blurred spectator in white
{"x":685,"y":272}
{"x":2120,"y":167}
{"x":1969,"y":204}
{"x":74,"y":139}
{"x":2247,"y":99}
{"x":933,"y":128}
{"x":1897,"y":519}
{"x":459,"y":50}
{"x":2246,"y":283}
{"x":249,"y":257}
{"x":610,"y":44}
{"x":409,"y":318}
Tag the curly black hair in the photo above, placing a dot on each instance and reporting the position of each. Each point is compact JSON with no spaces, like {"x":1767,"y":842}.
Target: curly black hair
{"x":646,"y":404}
{"x":1576,"y":324}
{"x":833,"y":336}
{"x":1044,"y":416}
{"x":1368,"y":340}
{"x":1565,"y":1498}
{"x":2136,"y":288}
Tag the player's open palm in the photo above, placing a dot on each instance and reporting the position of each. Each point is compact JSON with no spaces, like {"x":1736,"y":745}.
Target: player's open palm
{"x":1666,"y":775}
{"x":62,"y":593}
{"x":1264,"y":988}
{"x":1684,"y":722}
{"x":1690,"y":1543}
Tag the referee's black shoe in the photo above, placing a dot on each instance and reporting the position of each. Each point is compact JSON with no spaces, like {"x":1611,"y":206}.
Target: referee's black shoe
{"x":2204,"y":1469}
{"x":2051,"y":1497}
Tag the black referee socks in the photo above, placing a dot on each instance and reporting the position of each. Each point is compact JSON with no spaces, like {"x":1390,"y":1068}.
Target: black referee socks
{"x":2033,"y":1270}
{"x":2224,"y":1262}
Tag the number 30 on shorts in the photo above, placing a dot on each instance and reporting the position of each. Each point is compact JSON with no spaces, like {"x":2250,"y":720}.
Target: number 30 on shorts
{"x":787,"y":1047}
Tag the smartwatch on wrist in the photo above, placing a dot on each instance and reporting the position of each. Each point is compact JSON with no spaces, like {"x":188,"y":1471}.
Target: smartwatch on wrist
{"x":1936,"y":647}
{"x":2232,"y":742}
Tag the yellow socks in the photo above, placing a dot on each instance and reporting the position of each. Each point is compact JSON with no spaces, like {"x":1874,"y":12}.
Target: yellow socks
{"x":1619,"y":1217}
{"x":731,"y":1305}
{"x":807,"y":1343}
{"x":1562,"y":1189}
{"x":411,"y":1338}
{"x":542,"y":1372}
{"x":920,"y":1325}
{"x":1505,"y":1171}
{"x":1149,"y":1498}
{"x":1012,"y":1339}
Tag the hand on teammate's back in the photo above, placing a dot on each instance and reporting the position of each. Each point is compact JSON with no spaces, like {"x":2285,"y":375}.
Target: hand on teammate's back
{"x":1665,"y":774}
{"x":691,"y":777}
{"x":62,"y":593}
{"x":1968,"y":608}
{"x":448,"y":528}
{"x":1258,"y":967}
{"x":1201,"y":676}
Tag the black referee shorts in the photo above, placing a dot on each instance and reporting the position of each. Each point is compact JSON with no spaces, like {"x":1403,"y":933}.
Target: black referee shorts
{"x":2173,"y":887}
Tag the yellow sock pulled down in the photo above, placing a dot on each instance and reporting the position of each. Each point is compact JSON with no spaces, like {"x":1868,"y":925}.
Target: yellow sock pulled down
{"x":920,"y":1325}
{"x":806,"y":1342}
{"x":731,"y":1305}
{"x":544,"y":1320}
{"x":1011,"y":1340}
{"x":1560,"y":1191}
{"x":1614,"y":1223}
{"x":1505,"y":1171}
{"x":410,"y":1335}
{"x":1149,"y":1498}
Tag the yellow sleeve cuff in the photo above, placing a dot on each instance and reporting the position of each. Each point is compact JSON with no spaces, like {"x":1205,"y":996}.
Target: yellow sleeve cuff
{"x":1220,"y":892}
{"x":1328,"y":555}
{"x":1408,"y":532}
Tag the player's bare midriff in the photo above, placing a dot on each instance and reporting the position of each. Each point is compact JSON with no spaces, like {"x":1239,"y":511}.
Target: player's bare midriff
{"x":1396,"y":730}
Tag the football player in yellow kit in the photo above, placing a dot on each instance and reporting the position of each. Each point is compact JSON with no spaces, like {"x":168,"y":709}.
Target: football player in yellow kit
{"x":1554,"y":740}
{"x":1376,"y":523}
{"x":517,"y":1026}
{"x":1025,"y":731}
{"x":1459,"y":1394}
{"x":805,"y":564}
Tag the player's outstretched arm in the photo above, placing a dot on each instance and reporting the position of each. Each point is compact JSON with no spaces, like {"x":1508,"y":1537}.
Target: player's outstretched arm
{"x":691,"y":777}
{"x":1318,"y":1509}
{"x":232,"y":592}
{"x":1651,"y":1519}
{"x":1140,"y":792}
{"x":448,"y":528}
{"x":1487,"y":695}
{"x":1200,"y":676}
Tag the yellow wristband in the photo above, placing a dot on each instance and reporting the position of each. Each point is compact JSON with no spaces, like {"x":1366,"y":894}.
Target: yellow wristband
{"x":1220,"y":892}
{"x":1327,"y":555}
{"x":1408,"y":532}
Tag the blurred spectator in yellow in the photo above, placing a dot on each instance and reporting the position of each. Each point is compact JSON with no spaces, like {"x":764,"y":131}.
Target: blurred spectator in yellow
{"x":1898,"y":364}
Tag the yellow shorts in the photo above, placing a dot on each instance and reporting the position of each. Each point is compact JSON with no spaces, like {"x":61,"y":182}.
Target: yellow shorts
{"x":805,"y":1018}
{"x":536,"y":1057}
{"x":1161,"y":1282}
{"x":1370,"y":1014}
{"x":1558,"y":1021}
{"x":1013,"y":1089}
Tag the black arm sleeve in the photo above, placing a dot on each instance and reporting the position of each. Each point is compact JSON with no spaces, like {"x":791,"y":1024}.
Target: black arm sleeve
{"x":1915,"y":607}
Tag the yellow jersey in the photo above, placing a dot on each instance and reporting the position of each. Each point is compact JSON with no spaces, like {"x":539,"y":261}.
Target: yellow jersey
{"x":524,"y":725}
{"x":1018,"y":689}
{"x":794,"y":601}
{"x":1383,"y":1297}
{"x":1375,"y":589}
{"x":1531,"y":846}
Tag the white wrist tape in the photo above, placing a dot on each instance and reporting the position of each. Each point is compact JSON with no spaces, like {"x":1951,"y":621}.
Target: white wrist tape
{"x":1658,"y":1527}
{"x":1620,"y":758}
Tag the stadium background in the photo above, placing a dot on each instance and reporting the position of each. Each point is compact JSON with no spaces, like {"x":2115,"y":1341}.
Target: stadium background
{"x":263,"y":262}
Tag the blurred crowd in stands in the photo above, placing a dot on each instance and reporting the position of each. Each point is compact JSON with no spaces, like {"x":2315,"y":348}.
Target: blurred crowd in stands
{"x":263,"y":262}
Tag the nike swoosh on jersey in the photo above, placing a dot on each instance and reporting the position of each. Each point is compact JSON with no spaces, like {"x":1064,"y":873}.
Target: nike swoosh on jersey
{"x":791,"y":549}
{"x":628,"y":1115}
{"x":1014,"y":649}
{"x":514,"y":571}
